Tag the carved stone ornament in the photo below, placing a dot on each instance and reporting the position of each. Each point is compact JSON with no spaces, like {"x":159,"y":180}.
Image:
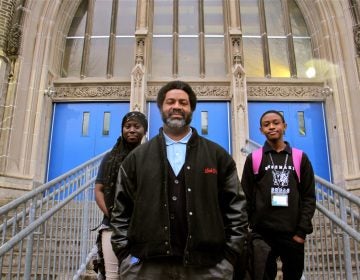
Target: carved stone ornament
{"x":238,"y":74}
{"x":237,"y":59}
{"x":212,"y":91}
{"x":357,"y":38}
{"x":118,"y":92}
{"x":201,"y":91}
{"x":140,"y":51}
{"x":152,"y":91}
{"x":138,"y":75}
{"x":13,"y":41}
{"x":288,"y":91}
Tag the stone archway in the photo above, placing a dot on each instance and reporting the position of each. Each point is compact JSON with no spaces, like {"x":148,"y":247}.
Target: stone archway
{"x":27,"y":110}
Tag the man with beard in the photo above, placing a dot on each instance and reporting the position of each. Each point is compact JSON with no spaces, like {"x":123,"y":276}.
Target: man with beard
{"x":179,"y":210}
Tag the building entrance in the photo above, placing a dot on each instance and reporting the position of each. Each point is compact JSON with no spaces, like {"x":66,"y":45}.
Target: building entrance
{"x":81,"y":131}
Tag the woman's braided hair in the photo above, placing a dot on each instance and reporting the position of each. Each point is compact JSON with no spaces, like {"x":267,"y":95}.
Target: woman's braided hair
{"x":117,"y":154}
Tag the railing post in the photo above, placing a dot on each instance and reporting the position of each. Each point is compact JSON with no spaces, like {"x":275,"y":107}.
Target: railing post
{"x":346,"y":241}
{"x":85,"y":229}
{"x":30,"y":242}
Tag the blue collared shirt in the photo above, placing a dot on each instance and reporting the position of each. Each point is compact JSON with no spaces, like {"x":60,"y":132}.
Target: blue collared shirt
{"x":176,"y":151}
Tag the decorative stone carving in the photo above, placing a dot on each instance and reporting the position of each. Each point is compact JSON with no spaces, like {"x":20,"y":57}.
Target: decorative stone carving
{"x":237,"y":59}
{"x":138,"y":75}
{"x":137,"y":100}
{"x":208,"y":91}
{"x":139,"y":59}
{"x":200,"y":90}
{"x":14,"y":39}
{"x":281,"y":91}
{"x":238,"y":74}
{"x":152,"y":91}
{"x":212,"y":91}
{"x":118,"y":92}
{"x":356,"y":31}
{"x":136,"y":107}
{"x":239,"y":88}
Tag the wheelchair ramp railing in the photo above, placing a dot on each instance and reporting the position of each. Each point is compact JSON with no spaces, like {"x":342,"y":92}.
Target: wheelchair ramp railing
{"x":46,"y":233}
{"x":332,"y":251}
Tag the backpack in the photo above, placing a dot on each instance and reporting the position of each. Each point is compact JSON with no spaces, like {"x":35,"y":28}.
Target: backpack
{"x":257,"y":157}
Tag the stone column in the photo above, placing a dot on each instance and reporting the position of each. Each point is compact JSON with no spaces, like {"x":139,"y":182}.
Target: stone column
{"x":138,"y":74}
{"x":239,"y":102}
{"x":10,"y":37}
{"x":138,"y":81}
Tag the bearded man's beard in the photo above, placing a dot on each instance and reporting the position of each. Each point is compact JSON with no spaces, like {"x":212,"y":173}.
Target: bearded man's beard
{"x":177,"y":123}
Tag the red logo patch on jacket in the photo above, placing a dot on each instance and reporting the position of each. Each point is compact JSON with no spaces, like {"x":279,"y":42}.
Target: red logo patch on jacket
{"x":210,"y":170}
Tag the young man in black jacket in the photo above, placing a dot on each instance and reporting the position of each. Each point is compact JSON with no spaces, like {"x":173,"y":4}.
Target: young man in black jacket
{"x":179,"y":210}
{"x":280,"y":204}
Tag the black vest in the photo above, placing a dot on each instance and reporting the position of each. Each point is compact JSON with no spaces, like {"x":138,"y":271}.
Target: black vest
{"x":177,"y":211}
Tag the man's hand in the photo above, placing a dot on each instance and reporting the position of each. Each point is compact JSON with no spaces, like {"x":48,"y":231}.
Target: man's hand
{"x":298,"y":239}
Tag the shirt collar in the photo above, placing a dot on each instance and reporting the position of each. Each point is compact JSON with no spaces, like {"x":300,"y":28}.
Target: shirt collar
{"x":184,"y":140}
{"x":267,"y":148}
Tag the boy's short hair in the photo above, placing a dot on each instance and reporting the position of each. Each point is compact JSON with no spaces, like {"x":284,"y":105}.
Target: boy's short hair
{"x":272,"y":112}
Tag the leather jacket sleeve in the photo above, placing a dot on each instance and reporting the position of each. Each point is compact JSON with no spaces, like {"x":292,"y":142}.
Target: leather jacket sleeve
{"x":308,"y":198}
{"x":235,"y":215}
{"x":120,"y":216}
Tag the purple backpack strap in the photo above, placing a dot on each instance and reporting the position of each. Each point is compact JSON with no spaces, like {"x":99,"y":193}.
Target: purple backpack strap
{"x":256,"y":160}
{"x":257,"y":157}
{"x":296,"y":156}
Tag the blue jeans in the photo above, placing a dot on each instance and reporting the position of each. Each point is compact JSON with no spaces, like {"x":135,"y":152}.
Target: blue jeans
{"x":172,"y":269}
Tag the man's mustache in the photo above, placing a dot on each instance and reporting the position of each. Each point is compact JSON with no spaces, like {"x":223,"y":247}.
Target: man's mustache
{"x":177,"y":111}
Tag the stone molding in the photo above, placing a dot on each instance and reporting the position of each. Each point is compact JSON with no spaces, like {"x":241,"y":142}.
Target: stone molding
{"x":6,"y":17}
{"x":218,"y":92}
{"x":118,"y":92}
{"x":202,"y":91}
{"x":13,"y":41}
{"x":356,"y":31}
{"x":289,"y":92}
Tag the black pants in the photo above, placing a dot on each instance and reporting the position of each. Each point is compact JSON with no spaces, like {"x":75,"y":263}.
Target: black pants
{"x":172,"y":269}
{"x":266,"y":248}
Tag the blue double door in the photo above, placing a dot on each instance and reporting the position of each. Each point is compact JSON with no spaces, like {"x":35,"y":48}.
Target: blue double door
{"x":81,"y":131}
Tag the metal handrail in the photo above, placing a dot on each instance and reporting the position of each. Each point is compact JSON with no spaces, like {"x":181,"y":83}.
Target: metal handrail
{"x":54,"y":220}
{"x":53,"y":223}
{"x":20,"y":200}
